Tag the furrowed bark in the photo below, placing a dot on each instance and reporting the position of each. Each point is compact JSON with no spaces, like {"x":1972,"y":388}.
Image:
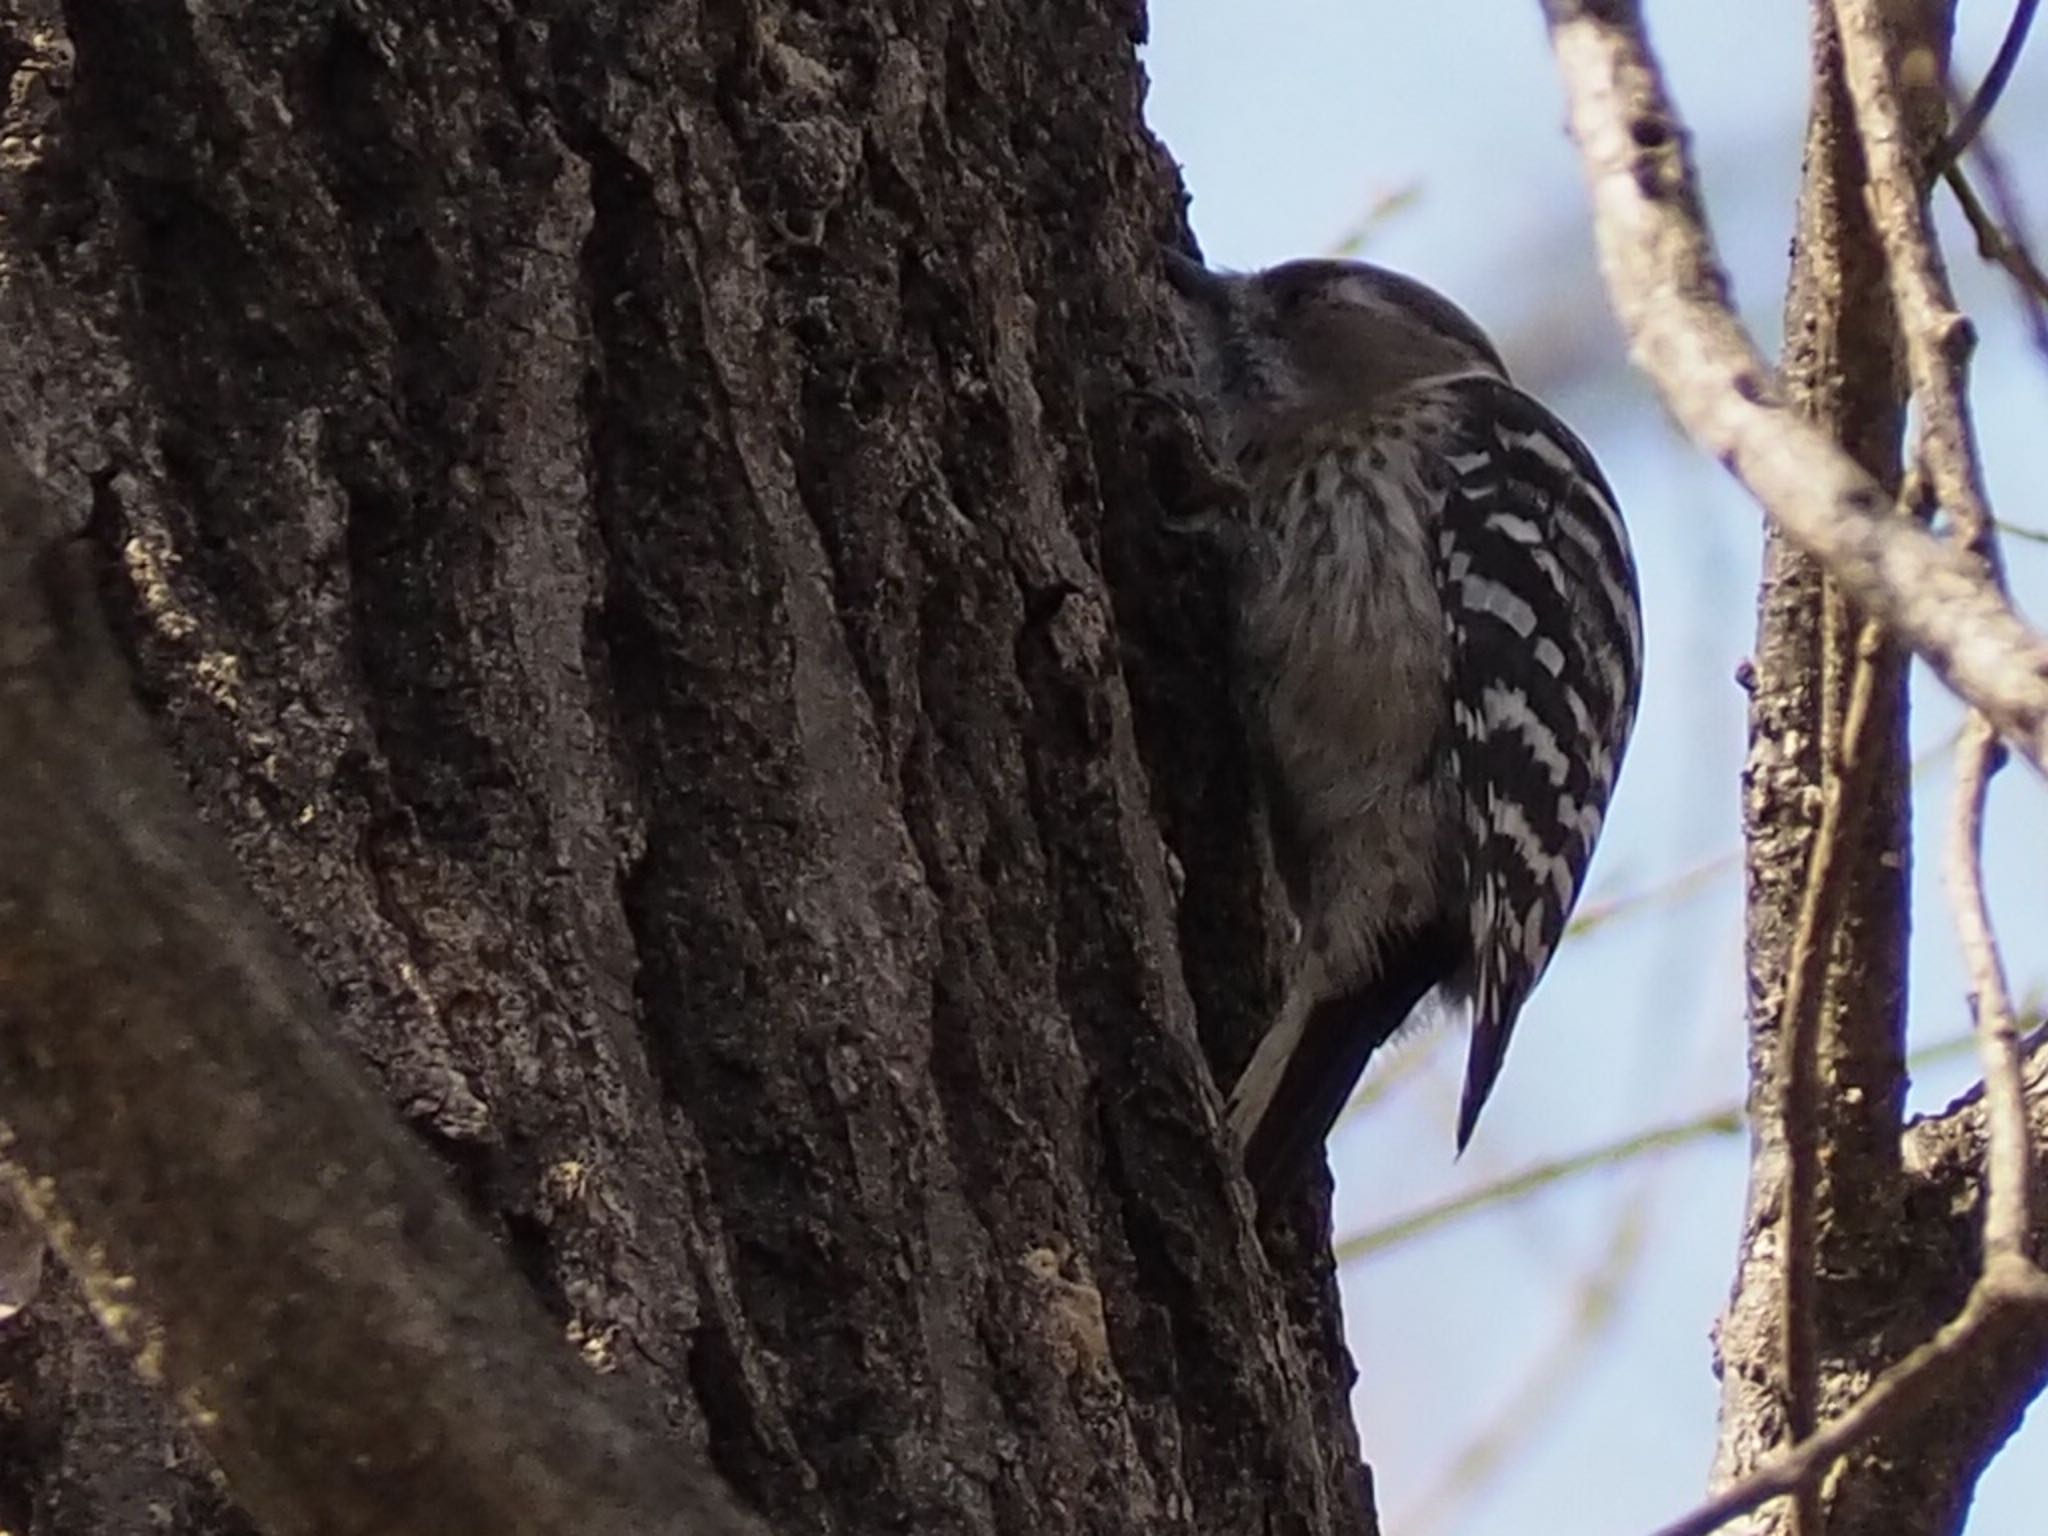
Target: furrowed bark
{"x":607,"y":508}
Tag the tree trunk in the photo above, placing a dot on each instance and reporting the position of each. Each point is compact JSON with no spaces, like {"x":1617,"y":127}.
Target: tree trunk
{"x":642,"y":527}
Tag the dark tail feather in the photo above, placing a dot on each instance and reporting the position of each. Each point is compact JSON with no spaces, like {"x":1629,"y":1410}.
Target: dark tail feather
{"x":1338,"y":1037}
{"x":1482,"y":1069}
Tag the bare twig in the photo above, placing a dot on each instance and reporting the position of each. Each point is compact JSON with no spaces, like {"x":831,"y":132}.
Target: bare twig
{"x":1799,"y":1119}
{"x":1674,"y":889}
{"x":1669,"y":891}
{"x":2002,"y":247}
{"x":1532,"y":1403}
{"x":1384,"y":209}
{"x":1669,"y":290}
{"x":2008,"y":1218}
{"x":2006,"y":1294}
{"x":2031,"y":1027}
{"x":1938,"y":344}
{"x":1725,"y":1121}
{"x":2024,"y":535}
{"x":1938,"y":338}
{"x":1937,"y":347}
{"x":1672,"y":297}
{"x":1965,"y":132}
{"x":2000,"y":226}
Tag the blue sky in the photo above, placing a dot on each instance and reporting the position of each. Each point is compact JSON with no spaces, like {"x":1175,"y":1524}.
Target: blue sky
{"x":1581,"y":1319}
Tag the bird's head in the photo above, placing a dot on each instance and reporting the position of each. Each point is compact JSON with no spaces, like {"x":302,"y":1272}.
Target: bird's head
{"x":1319,"y":339}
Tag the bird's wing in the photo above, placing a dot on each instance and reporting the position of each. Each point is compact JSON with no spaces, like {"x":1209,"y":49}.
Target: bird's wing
{"x":1546,"y":665}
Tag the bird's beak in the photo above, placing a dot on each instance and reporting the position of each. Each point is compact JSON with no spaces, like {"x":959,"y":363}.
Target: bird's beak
{"x":1193,"y":281}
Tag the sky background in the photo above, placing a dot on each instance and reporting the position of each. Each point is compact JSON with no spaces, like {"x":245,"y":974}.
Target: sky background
{"x":1563,"y":1344}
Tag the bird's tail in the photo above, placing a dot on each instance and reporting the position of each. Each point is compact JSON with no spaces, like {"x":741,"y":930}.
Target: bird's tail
{"x":1306,"y":1066}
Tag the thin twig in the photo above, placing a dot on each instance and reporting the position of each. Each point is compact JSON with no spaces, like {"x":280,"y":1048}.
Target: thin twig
{"x":2001,"y":215}
{"x":2002,"y":196}
{"x":1799,"y":1115}
{"x":1669,"y":891}
{"x":1384,"y":210}
{"x":1674,"y":889}
{"x":1672,"y":297}
{"x":1938,"y":344}
{"x":2008,"y":1164}
{"x":2004,"y":1293}
{"x":2002,"y":248}
{"x":1941,"y":599}
{"x":1532,"y":1403}
{"x":1965,"y":132}
{"x":1725,"y":1121}
{"x":2024,"y":535}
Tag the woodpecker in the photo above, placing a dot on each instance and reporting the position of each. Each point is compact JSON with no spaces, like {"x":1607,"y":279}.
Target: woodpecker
{"x":1439,"y":649}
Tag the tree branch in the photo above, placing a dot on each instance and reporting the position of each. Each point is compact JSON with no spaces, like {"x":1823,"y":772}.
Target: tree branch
{"x":2008,"y":1163}
{"x":2006,"y":1297}
{"x":1674,"y":1136}
{"x":244,"y":1213}
{"x":1820,"y":901}
{"x":1614,"y":72}
{"x":2000,"y":242}
{"x":1671,"y":295}
{"x":2010,"y":47}
{"x":1725,"y":1121}
{"x":1938,"y":344}
{"x":1812,"y":671}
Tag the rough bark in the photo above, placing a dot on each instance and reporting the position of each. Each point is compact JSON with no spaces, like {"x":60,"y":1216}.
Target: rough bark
{"x":1841,"y":368}
{"x":608,"y":507}
{"x":1897,"y":1238}
{"x":146,"y":996}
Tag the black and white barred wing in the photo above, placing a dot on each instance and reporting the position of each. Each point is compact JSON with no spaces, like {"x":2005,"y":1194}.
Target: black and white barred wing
{"x":1546,"y":658}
